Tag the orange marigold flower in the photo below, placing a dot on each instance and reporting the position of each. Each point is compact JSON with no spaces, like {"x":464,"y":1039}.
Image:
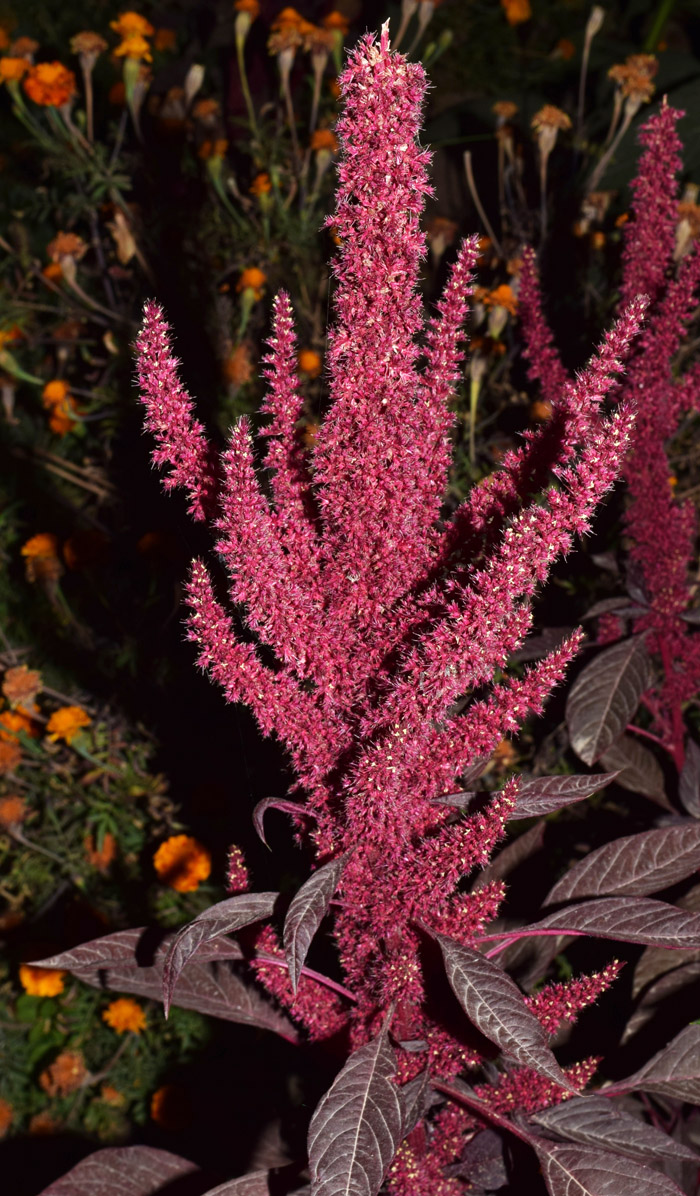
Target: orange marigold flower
{"x":502,"y":297}
{"x":504,"y":109}
{"x":12,"y":721}
{"x":336,"y":20}
{"x":50,"y":84}
{"x":43,"y":1124}
{"x":10,"y":757}
{"x":101,"y":858}
{"x":112,"y":1096}
{"x":182,"y":863}
{"x":12,"y":809}
{"x":6,"y":1114}
{"x":171,"y":1108}
{"x":43,"y":545}
{"x":206,"y":109}
{"x":66,"y":245}
{"x":564,"y":49}
{"x":128,"y":23}
{"x":41,"y":982}
{"x":53,"y":272}
{"x":125,"y":1016}
{"x":12,"y":68}
{"x":289,"y":17}
{"x":62,"y":418}
{"x":24,"y":47}
{"x":21,"y":685}
{"x":66,"y":1074}
{"x":254,"y":279}
{"x":517,"y":11}
{"x":54,"y":392}
{"x":66,"y":722}
{"x":309,"y":362}
{"x":324,"y":139}
{"x":134,"y":46}
{"x":165,"y":39}
{"x":261,"y":184}
{"x":541,"y":410}
{"x":252,"y":7}
{"x":550,"y":117}
{"x":238,"y":366}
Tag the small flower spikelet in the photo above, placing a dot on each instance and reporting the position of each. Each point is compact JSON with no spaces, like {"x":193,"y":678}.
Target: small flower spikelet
{"x":390,"y":633}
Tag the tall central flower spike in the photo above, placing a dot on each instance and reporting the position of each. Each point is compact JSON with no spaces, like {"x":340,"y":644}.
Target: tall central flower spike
{"x":383,"y":622}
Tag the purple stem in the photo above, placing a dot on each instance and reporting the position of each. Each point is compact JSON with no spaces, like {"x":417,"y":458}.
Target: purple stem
{"x":282,"y":963}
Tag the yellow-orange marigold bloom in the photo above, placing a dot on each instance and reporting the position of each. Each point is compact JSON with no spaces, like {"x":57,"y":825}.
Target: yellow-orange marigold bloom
{"x":12,"y":68}
{"x":6,"y":1114}
{"x":45,"y":544}
{"x":125,"y":1016}
{"x":54,"y":392}
{"x":66,"y":722}
{"x":53,"y":272}
{"x":336,"y":20}
{"x":130,"y":22}
{"x":12,"y":721}
{"x":289,"y":17}
{"x":324,"y":139}
{"x":41,"y":982}
{"x":309,"y":362}
{"x":171,"y":1108}
{"x":21,"y":685}
{"x":66,"y":1074}
{"x":502,"y":296}
{"x":182,"y":863}
{"x":62,"y":418}
{"x":12,"y":809}
{"x":252,"y":7}
{"x":254,"y":279}
{"x":517,"y":11}
{"x":134,"y":46}
{"x":261,"y":184}
{"x":101,"y":858}
{"x":50,"y":84}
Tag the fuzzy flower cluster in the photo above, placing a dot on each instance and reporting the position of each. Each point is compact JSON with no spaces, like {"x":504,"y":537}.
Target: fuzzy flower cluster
{"x":661,"y":529}
{"x":389,"y":631}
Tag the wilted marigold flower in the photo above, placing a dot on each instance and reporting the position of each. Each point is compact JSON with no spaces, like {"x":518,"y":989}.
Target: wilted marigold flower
{"x":13,"y":809}
{"x":66,"y":245}
{"x":101,"y":858}
{"x":324,"y":139}
{"x":517,"y":11}
{"x":633,"y":77}
{"x":88,"y":45}
{"x":550,"y":117}
{"x":309,"y":362}
{"x":125,"y":1016}
{"x":66,"y":1074}
{"x":6,"y":1114}
{"x":43,"y":1124}
{"x":252,"y":279}
{"x":504,"y":110}
{"x":238,"y":367}
{"x":128,"y":23}
{"x":50,"y":84}
{"x":182,"y":863}
{"x":41,"y":558}
{"x":21,"y":685}
{"x":24,"y":47}
{"x":41,"y":982}
{"x":12,"y":68}
{"x":170,"y":1108}
{"x":66,"y":722}
{"x":261,"y":184}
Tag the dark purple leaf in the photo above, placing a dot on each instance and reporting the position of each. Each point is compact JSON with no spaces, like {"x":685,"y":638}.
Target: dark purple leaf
{"x":475,"y":770}
{"x":221,"y":919}
{"x":655,"y":961}
{"x":586,"y":1171}
{"x":520,"y":849}
{"x":543,"y":795}
{"x":496,"y":1006}
{"x":461,"y":800}
{"x":122,"y":1171}
{"x":595,"y":1121}
{"x":691,"y":616}
{"x":689,"y":784}
{"x":482,"y":1163}
{"x":276,"y":803}
{"x":537,"y":646}
{"x":676,"y":980}
{"x":412,"y":1098}
{"x":216,"y":991}
{"x":619,"y":605}
{"x":629,"y":919}
{"x":673,"y":1071}
{"x":356,"y":1129}
{"x":306,"y":912}
{"x":633,"y":866}
{"x":255,"y":1183}
{"x":639,"y":770}
{"x":605,"y":696}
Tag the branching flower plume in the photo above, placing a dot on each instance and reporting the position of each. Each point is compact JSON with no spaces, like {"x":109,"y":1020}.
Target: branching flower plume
{"x":372,"y":637}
